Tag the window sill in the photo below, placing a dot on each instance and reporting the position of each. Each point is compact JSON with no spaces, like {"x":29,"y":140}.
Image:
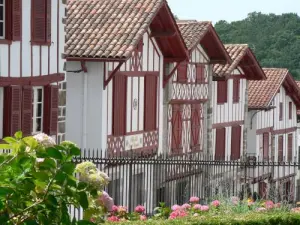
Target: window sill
{"x":40,"y":43}
{"x":5,"y":41}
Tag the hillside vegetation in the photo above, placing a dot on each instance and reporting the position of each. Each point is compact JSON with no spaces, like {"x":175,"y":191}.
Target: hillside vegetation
{"x":275,"y":39}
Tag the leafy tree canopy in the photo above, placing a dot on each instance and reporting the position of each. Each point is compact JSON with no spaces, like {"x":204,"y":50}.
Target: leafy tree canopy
{"x":275,"y":39}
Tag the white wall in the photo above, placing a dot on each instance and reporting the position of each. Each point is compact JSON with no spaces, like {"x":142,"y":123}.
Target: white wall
{"x":251,"y":132}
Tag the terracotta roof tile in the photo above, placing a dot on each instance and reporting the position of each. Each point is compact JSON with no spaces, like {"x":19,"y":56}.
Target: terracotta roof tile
{"x":107,"y":28}
{"x":236,"y":52}
{"x":192,"y":31}
{"x":261,"y":92}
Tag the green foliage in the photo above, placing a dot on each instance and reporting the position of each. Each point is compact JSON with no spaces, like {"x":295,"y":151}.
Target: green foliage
{"x":37,"y":183}
{"x":223,"y":219}
{"x":162,"y":211}
{"x":275,"y":39}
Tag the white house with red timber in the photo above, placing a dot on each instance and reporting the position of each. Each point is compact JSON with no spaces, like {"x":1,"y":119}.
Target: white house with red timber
{"x":31,"y":43}
{"x":115,"y":77}
{"x":272,"y":133}
{"x":230,"y":101}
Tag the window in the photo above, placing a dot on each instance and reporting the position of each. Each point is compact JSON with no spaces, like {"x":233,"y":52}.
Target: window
{"x":41,"y":21}
{"x":280,"y":111}
{"x":182,"y":72}
{"x":235,"y":142}
{"x":37,"y":105}
{"x":221,"y":91}
{"x":200,"y":73}
{"x":290,"y":147}
{"x":119,"y":105}
{"x":196,"y":118}
{"x":150,"y":103}
{"x":266,"y":146}
{"x":220,"y":144}
{"x":176,"y":139}
{"x":290,"y":110}
{"x":236,"y":90}
{"x":10,"y":19}
{"x":30,"y":109}
{"x":280,"y":148}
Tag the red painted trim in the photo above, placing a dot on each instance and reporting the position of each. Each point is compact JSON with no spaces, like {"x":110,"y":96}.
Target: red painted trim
{"x":264,"y":130}
{"x":241,"y":76}
{"x":190,"y":82}
{"x":131,"y":104}
{"x":57,"y":53}
{"x":284,"y":131}
{"x":111,"y":75}
{"x":5,"y":42}
{"x":169,"y":76}
{"x":9,"y":51}
{"x":152,"y":44}
{"x":31,"y":61}
{"x":34,"y":81}
{"x":48,"y":60}
{"x":35,"y":43}
{"x":68,"y":58}
{"x":228,"y":124}
{"x":41,"y":60}
{"x":138,"y":107}
{"x":185,"y":101}
{"x":148,"y":51}
{"x":137,"y":74}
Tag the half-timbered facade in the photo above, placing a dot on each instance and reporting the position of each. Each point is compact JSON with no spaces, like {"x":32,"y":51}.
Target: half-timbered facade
{"x":187,"y":87}
{"x":31,"y":43}
{"x":230,"y":101}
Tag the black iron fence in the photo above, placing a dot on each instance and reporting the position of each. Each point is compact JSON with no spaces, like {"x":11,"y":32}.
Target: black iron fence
{"x":148,"y":179}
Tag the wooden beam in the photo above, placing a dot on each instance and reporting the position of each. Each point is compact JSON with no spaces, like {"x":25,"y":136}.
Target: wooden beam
{"x":106,"y":82}
{"x":162,"y":34}
{"x":167,"y":60}
{"x":168,"y":77}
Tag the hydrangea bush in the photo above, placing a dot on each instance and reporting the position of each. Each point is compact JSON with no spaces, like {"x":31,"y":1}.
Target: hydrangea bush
{"x":37,"y":183}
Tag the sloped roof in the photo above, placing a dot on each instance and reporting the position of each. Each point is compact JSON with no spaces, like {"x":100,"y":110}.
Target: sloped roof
{"x":243,"y":57}
{"x":106,"y":29}
{"x":195,"y":32}
{"x":261,"y":93}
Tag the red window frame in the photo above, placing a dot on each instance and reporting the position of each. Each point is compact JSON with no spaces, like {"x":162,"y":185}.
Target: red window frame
{"x":196,"y":118}
{"x":150,"y":87}
{"x":236,"y":142}
{"x":41,"y":22}
{"x":200,"y":73}
{"x":222,"y":91}
{"x":18,"y":110}
{"x":290,"y":148}
{"x":266,"y":146}
{"x":13,"y":21}
{"x":220,"y":144}
{"x":182,"y":72}
{"x":280,"y":148}
{"x":236,"y":90}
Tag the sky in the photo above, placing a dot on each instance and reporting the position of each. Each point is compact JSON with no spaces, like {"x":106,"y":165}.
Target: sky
{"x":229,"y":10}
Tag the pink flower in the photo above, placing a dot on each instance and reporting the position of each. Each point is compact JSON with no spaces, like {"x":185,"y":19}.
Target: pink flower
{"x":197,"y":207}
{"x":175,"y":207}
{"x":114,"y":208}
{"x":177,"y":214}
{"x":113,"y":219}
{"x":186,"y":206}
{"x":106,"y":201}
{"x":250,"y":203}
{"x":139,"y":209}
{"x":235,"y":200}
{"x":194,"y":200}
{"x":216,"y":203}
{"x":143,"y":217}
{"x":277,"y":205}
{"x":122,"y":209}
{"x":204,"y":208}
{"x":261,"y":209}
{"x":269,"y":204}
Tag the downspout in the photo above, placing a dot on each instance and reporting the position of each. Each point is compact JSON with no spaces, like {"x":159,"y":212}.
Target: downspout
{"x":209,"y":112}
{"x":245,"y":130}
{"x":84,"y":105}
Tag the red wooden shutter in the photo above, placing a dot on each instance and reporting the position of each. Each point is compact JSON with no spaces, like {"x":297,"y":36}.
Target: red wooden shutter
{"x":48,"y":24}
{"x":119,"y":105}
{"x":12,"y":110}
{"x":195,"y":126}
{"x":236,"y":90}
{"x":290,"y":147}
{"x":176,"y":141}
{"x":266,"y":146}
{"x":290,"y":110}
{"x":27,"y":111}
{"x":200,"y":71}
{"x":39,"y":20}
{"x":182,"y":72}
{"x":222,"y":91}
{"x":50,"y":117}
{"x":262,"y":190}
{"x":8,"y":20}
{"x":280,"y":111}
{"x":280,"y":148}
{"x":150,"y":88}
{"x":235,"y":142}
{"x":220,"y":144}
{"x":16,"y":19}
